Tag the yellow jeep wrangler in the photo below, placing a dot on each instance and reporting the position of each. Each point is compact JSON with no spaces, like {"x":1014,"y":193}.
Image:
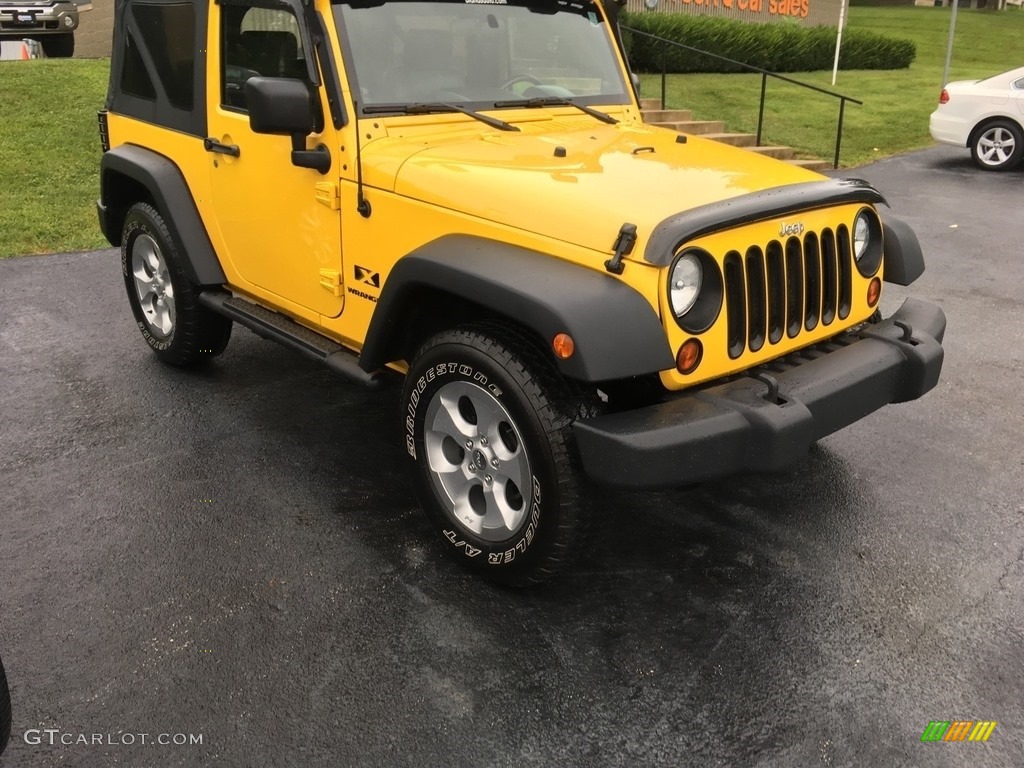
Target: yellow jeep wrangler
{"x":463,"y":192}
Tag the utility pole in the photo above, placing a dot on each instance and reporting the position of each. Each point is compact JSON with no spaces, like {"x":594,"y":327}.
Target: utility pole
{"x":949,"y":45}
{"x":839,"y":38}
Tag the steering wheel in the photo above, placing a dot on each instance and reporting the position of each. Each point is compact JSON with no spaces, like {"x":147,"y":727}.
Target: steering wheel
{"x":507,"y":85}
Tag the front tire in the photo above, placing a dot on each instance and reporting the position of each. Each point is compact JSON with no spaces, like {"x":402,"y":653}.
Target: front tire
{"x":488,"y":425}
{"x":998,"y":146}
{"x":179,"y":329}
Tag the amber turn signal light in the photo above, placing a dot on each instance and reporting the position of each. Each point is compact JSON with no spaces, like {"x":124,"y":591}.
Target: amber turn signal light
{"x":689,"y":355}
{"x":563,"y":346}
{"x":874,"y":291}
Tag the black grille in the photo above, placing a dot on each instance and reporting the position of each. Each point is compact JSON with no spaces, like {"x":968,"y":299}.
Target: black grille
{"x":787,"y":288}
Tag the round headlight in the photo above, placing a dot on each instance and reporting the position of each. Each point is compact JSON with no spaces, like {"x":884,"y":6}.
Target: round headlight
{"x":867,"y":242}
{"x":684,"y":284}
{"x":861,"y":235}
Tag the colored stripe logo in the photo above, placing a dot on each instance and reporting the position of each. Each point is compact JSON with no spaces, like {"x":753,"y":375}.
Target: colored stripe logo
{"x":958,"y":730}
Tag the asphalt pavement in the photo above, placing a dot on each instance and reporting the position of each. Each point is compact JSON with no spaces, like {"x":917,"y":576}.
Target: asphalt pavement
{"x":235,"y":557}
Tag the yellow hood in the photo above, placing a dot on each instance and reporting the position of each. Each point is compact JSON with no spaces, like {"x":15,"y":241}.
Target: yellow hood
{"x":573,"y":180}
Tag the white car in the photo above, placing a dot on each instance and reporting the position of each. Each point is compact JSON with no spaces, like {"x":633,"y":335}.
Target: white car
{"x":985,"y":115}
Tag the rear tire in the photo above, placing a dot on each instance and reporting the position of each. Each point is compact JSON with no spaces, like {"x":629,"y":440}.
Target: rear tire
{"x":998,"y":145}
{"x":60,"y":46}
{"x":488,"y":426}
{"x":5,"y":710}
{"x":179,"y":329}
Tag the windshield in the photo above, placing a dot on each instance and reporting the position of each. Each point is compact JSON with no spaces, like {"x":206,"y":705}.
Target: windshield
{"x":477,"y":52}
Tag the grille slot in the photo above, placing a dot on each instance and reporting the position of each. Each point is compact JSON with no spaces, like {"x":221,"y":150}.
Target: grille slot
{"x":786,"y":288}
{"x":756,"y":300}
{"x":794,"y":287}
{"x":776,"y":291}
{"x":845,"y":255}
{"x":736,"y":304}
{"x":812,"y":282}
{"x":829,"y":277}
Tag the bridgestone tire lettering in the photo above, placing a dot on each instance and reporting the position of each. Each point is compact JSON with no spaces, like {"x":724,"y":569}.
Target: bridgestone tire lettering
{"x":542,"y":406}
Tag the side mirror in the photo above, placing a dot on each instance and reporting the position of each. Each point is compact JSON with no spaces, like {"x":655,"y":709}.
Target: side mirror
{"x":280,"y":105}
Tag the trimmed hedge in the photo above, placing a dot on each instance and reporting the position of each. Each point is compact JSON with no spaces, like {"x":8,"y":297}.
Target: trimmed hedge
{"x":775,"y":47}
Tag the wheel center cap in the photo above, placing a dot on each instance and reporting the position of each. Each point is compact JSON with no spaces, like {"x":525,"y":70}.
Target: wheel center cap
{"x":479,"y":459}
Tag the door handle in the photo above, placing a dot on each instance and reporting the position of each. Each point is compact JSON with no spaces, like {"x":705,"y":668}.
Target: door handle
{"x":212,"y":145}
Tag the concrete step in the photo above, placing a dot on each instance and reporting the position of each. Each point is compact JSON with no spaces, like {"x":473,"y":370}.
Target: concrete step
{"x":779,"y":153}
{"x":733,"y":139}
{"x":658,"y":116}
{"x":682,"y":120}
{"x":695,"y":127}
{"x":811,"y":165}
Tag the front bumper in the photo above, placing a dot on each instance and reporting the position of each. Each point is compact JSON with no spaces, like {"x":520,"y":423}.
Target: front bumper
{"x":747,"y":425}
{"x":31,"y":19}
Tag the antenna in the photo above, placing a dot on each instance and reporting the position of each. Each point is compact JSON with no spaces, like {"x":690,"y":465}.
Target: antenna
{"x":362,"y":204}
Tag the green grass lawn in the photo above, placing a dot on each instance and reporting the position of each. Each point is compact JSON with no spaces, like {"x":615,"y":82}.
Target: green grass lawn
{"x":897,"y":103}
{"x":49,"y":154}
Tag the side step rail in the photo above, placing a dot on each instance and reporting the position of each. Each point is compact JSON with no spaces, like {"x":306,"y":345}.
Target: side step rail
{"x":276,"y":327}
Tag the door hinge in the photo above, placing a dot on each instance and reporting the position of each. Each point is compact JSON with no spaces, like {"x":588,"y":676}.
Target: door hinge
{"x":327,"y":193}
{"x":331,"y":280}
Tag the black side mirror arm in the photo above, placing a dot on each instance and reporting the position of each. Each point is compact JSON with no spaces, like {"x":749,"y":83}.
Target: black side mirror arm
{"x":318,"y":159}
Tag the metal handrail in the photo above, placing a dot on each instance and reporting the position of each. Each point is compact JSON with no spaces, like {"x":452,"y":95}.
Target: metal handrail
{"x":765,"y":74}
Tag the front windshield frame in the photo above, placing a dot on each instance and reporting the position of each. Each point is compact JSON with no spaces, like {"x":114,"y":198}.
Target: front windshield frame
{"x":561,"y":27}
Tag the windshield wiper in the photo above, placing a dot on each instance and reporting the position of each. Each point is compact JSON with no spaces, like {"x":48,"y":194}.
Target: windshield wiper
{"x":425,"y":109}
{"x":556,"y":101}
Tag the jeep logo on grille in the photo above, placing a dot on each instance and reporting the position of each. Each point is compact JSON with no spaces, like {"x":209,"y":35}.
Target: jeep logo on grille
{"x":795,"y":228}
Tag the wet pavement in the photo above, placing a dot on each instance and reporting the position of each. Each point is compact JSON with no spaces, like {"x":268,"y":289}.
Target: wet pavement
{"x":236,"y":555}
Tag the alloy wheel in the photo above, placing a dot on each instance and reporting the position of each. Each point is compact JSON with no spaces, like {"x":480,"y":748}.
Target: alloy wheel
{"x":995,"y":146}
{"x":477,"y":459}
{"x":153,"y":286}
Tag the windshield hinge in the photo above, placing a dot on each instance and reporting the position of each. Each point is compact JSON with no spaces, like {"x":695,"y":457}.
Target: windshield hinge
{"x":330,"y":279}
{"x":327,"y":193}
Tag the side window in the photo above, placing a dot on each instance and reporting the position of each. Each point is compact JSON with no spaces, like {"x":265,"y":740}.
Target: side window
{"x":167,"y":31}
{"x":156,"y":71}
{"x":135,"y":79}
{"x":257,"y":41}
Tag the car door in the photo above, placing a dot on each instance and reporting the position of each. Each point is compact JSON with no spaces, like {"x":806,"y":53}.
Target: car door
{"x":279,"y":225}
{"x":1017,"y":94}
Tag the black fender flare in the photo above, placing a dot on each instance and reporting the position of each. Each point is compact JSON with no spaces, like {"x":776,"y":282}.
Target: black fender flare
{"x":617,"y":332}
{"x":169,"y":192}
{"x":903,"y":260}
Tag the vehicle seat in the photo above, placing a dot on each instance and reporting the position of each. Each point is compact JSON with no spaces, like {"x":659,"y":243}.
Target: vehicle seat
{"x":272,"y":54}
